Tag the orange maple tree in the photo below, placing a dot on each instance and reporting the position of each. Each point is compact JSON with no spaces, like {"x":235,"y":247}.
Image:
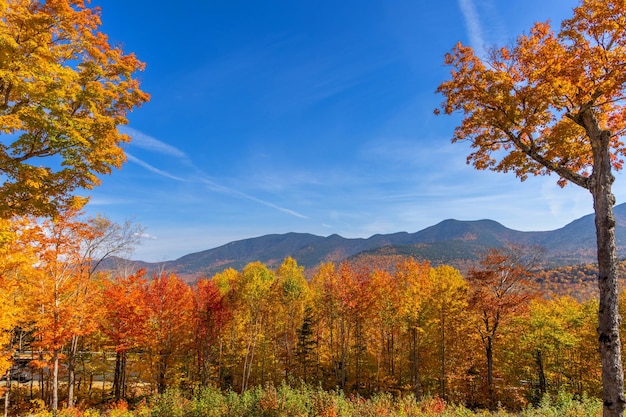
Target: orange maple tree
{"x":125,"y":321}
{"x":170,"y":324}
{"x":61,"y":289}
{"x":554,"y":103}
{"x":16,"y":262}
{"x":211,"y":315}
{"x":499,"y":288}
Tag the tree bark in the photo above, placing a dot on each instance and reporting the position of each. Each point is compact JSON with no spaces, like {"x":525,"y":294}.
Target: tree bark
{"x":343,"y":364}
{"x":442,"y":354}
{"x":162,"y":365}
{"x":541,"y":375}
{"x":7,"y":393}
{"x":489,"y":355}
{"x":608,"y":315}
{"x":55,"y":382}
{"x":71,"y":371}
{"x":119,"y":379}
{"x":415,"y":364}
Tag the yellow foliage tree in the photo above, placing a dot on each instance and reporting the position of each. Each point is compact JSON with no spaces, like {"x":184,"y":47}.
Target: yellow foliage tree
{"x":290,"y":294}
{"x":63,"y":91}
{"x":447,"y":310}
{"x":415,"y":285}
{"x":557,"y":350}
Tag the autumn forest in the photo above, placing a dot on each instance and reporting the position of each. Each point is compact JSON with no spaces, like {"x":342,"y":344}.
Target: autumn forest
{"x":384,"y":325}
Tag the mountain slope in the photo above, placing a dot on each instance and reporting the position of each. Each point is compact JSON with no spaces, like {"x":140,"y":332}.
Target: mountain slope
{"x":445,"y":242}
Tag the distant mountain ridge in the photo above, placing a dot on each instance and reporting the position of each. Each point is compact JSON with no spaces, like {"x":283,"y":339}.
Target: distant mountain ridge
{"x":450,"y":241}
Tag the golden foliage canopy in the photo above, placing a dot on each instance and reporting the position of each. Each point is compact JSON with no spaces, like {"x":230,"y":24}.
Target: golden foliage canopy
{"x":63,"y":91}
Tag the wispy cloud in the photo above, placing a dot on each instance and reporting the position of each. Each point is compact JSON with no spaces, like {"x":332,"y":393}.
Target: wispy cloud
{"x":226,"y":190}
{"x":149,"y":143}
{"x":146,"y":236}
{"x":107,"y":201}
{"x":151,"y":168}
{"x":474,"y":28}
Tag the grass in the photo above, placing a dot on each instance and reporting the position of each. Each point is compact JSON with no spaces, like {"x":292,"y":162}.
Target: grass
{"x":307,"y":401}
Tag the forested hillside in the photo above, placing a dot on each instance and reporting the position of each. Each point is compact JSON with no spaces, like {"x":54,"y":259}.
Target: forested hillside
{"x":450,"y":242}
{"x":578,"y":281}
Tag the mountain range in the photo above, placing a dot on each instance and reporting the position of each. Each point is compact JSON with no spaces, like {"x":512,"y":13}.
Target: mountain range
{"x":451,"y":242}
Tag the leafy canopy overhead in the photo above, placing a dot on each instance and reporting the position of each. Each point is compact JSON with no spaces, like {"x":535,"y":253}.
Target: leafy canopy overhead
{"x":63,"y":91}
{"x":532,"y":107}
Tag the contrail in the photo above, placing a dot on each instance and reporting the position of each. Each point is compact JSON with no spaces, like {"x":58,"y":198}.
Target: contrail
{"x":220,"y":188}
{"x":151,"y":168}
{"x":472,"y":22}
{"x":149,"y":143}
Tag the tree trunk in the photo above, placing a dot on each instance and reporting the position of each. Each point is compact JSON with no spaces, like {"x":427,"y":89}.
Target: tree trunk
{"x":415,"y":365}
{"x":344,"y":354}
{"x":540,"y":373}
{"x":119,"y":378}
{"x":42,"y":385}
{"x":357,"y":355}
{"x":7,"y":393}
{"x":608,"y":315}
{"x":55,"y":382}
{"x":71,"y":371}
{"x":392,"y":350}
{"x":288,"y":328}
{"x":442,"y":354}
{"x":333,"y":354}
{"x":162,"y":364}
{"x":255,"y":330}
{"x":492,"y":391}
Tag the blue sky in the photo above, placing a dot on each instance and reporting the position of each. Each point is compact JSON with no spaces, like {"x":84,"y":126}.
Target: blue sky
{"x":310,"y":116}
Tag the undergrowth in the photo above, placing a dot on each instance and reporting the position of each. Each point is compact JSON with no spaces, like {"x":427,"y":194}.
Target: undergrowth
{"x":306,"y":401}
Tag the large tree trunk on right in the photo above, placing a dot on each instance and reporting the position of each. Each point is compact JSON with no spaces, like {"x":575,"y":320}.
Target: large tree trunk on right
{"x":608,"y":315}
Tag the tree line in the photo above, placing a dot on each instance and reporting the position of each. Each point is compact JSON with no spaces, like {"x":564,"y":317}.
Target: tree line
{"x":374,"y":326}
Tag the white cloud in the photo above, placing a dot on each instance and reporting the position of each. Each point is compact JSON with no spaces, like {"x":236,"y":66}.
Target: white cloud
{"x":146,"y":236}
{"x":215,"y":187}
{"x":474,"y":28}
{"x":568,"y":202}
{"x":106,"y":201}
